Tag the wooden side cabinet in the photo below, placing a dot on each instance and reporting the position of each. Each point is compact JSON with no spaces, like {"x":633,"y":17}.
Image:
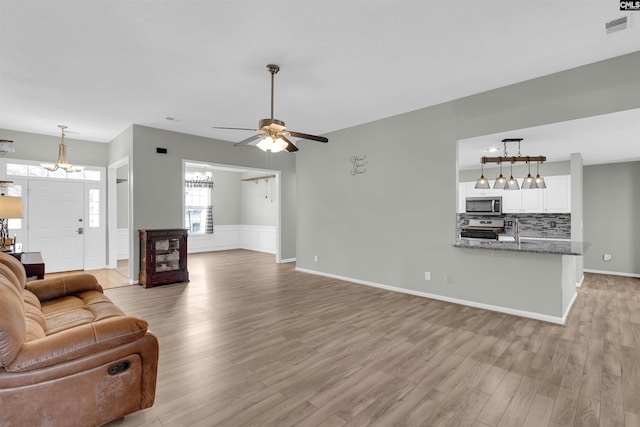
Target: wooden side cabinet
{"x":163,"y":257}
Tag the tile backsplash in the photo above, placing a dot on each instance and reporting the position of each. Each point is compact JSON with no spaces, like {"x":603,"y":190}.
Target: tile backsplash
{"x":551,"y":226}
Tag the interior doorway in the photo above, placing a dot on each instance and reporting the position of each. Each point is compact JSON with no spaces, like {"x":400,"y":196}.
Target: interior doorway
{"x":120,"y":242}
{"x":260,"y":188}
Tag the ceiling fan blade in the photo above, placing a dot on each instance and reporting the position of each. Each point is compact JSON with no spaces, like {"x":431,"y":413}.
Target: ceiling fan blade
{"x":248,"y":140}
{"x":220,"y":127}
{"x":290,"y":147}
{"x":307,"y":136}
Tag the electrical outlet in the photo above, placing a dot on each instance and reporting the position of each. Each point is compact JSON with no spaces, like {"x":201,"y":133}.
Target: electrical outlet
{"x":447,"y":279}
{"x":606,"y":257}
{"x":315,"y":258}
{"x":553,"y":224}
{"x":509,"y":223}
{"x":427,"y":275}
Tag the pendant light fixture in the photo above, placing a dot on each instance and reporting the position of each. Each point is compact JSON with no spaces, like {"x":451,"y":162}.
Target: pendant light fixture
{"x":482,"y":182}
{"x":501,"y":181}
{"x":62,"y":162}
{"x":512,"y":184}
{"x":539,"y":180}
{"x":529,"y":182}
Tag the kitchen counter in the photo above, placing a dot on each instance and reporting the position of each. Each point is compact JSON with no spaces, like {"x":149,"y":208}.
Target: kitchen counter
{"x":553,"y":247}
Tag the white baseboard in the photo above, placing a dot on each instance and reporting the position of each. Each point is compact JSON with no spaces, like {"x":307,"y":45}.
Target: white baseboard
{"x":613,"y":273}
{"x":286,"y":260}
{"x":499,"y":309}
{"x":579,"y":284}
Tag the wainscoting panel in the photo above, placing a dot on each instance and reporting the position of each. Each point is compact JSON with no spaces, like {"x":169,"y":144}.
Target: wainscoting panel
{"x":258,"y":238}
{"x":225,"y":237}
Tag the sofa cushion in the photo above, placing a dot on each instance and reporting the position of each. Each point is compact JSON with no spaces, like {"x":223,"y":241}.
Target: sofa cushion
{"x":13,"y":326}
{"x":77,"y":342}
{"x":16,"y":268}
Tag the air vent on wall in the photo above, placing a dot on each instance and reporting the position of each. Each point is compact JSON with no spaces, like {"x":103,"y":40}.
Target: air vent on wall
{"x":616,"y":25}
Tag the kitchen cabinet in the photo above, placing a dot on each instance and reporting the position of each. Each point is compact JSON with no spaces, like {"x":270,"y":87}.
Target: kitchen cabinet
{"x":472,"y":191}
{"x":556,"y":198}
{"x":522,"y":201}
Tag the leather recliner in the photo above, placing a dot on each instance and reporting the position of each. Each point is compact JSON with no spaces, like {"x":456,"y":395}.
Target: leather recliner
{"x":68,"y":355}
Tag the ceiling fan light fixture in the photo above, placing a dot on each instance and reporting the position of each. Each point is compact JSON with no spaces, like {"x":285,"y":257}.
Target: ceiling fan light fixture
{"x":265,"y":144}
{"x":278,"y":145}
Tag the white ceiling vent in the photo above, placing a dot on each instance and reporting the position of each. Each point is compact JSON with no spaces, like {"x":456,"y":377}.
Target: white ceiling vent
{"x":616,"y":25}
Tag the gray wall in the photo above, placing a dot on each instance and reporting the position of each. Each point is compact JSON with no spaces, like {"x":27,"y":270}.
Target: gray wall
{"x":44,"y":148}
{"x":397,"y":220}
{"x":225,"y":197}
{"x":258,"y":201}
{"x":611,"y":206}
{"x":157,"y":181}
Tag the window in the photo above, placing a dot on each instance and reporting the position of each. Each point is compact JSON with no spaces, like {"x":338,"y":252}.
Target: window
{"x":15,"y":223}
{"x":197,"y":200}
{"x":16,"y":169}
{"x":94,"y":208}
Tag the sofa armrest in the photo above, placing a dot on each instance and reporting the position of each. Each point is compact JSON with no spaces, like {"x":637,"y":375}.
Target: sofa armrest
{"x":47,"y":289}
{"x":77,"y":342}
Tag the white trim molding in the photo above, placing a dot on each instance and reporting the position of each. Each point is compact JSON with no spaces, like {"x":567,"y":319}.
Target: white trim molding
{"x":287,"y":260}
{"x":521,"y":313}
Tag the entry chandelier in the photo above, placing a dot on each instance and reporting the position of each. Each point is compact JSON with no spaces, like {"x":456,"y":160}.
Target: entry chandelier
{"x":502,"y":183}
{"x":62,"y":162}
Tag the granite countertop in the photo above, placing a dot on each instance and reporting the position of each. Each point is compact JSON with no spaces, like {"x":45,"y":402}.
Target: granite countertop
{"x":554,"y":247}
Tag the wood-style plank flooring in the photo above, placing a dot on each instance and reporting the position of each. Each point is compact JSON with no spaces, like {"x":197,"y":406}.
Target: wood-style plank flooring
{"x":251,"y":343}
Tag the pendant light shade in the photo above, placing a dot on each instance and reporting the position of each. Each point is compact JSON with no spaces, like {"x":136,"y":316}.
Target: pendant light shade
{"x":539,"y":180}
{"x":512,"y":183}
{"x":501,"y":181}
{"x":482,"y":182}
{"x":529,"y":182}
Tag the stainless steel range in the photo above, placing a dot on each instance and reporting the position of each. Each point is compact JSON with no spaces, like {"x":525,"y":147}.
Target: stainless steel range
{"x":482,"y":229}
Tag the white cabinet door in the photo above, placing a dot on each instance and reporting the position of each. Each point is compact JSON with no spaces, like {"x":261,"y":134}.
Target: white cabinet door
{"x":557,"y":195}
{"x":512,"y":201}
{"x":472,"y":191}
{"x":532,"y":200}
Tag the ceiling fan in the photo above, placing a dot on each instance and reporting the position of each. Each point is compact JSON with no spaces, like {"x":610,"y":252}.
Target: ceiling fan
{"x":272,"y":132}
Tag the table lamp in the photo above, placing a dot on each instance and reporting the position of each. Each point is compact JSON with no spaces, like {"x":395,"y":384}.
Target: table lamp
{"x":10,"y":207}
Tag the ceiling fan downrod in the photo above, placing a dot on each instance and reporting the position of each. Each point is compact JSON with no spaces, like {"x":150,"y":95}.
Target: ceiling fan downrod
{"x":273,"y":69}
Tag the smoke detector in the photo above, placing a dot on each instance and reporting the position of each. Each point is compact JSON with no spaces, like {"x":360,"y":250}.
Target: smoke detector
{"x":616,"y":25}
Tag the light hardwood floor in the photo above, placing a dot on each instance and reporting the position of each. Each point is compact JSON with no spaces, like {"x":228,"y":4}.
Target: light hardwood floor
{"x":249,"y":342}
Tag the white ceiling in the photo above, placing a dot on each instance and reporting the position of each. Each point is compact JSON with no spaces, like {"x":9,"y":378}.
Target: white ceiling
{"x":608,"y":138}
{"x":98,"y":67}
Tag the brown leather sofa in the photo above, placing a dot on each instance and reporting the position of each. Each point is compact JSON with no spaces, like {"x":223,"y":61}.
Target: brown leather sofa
{"x":68,"y":355}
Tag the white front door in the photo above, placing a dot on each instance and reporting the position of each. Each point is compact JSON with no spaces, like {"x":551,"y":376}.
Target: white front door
{"x":56,"y":224}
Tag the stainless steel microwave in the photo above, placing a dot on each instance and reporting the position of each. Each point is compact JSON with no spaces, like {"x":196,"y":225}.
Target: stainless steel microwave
{"x":484,"y":205}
